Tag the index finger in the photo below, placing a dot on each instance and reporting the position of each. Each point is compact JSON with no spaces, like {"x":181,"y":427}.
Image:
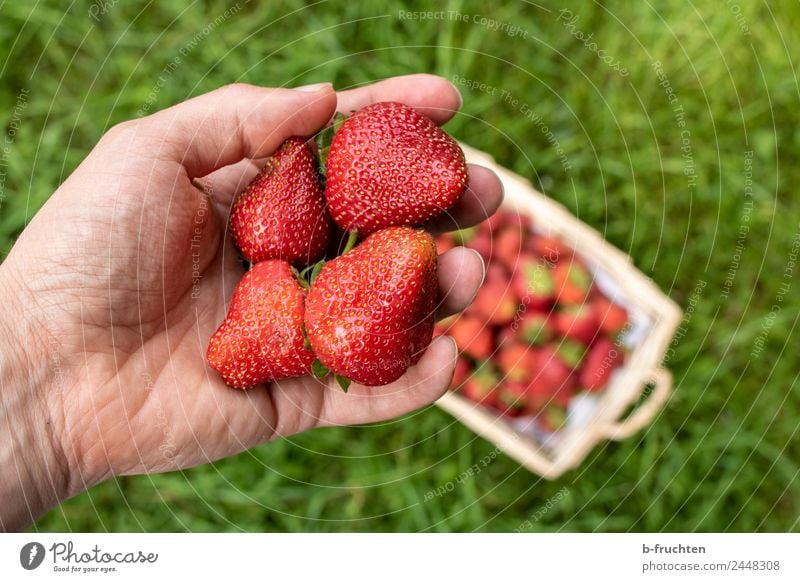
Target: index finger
{"x":432,"y":96}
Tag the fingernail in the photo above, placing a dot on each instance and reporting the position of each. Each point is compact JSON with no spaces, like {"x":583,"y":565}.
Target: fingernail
{"x":455,"y":348}
{"x":455,"y":357}
{"x":483,"y":264}
{"x":460,"y":98}
{"x":483,"y":275}
{"x":312,"y":88}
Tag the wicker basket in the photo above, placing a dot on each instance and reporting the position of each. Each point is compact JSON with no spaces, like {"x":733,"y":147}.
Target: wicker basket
{"x":642,"y":372}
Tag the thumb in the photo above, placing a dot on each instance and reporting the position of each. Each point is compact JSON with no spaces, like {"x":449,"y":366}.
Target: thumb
{"x":235,"y":122}
{"x":301,"y":403}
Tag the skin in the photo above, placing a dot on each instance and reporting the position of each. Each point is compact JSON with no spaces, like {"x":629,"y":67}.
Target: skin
{"x":102,"y":368}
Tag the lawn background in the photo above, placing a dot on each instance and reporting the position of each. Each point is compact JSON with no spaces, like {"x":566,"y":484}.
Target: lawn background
{"x":723,"y":456}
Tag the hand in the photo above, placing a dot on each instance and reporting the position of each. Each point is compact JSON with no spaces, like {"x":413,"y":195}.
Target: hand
{"x":115,"y":287}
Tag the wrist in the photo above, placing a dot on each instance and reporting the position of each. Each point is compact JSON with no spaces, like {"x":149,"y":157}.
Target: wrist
{"x":34,"y":471}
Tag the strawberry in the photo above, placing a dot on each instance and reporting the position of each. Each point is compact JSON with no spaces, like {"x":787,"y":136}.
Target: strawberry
{"x":481,"y":387}
{"x":533,"y":282}
{"x":539,"y":396}
{"x":516,"y":361}
{"x":461,"y":373}
{"x":369,"y":312}
{"x":506,"y":335}
{"x":496,"y":302}
{"x":261,"y":338}
{"x":602,"y":359}
{"x":571,"y":352}
{"x":496,"y":222}
{"x":522,"y":223}
{"x":573,"y":281}
{"x":553,"y":417}
{"x":444,"y":243}
{"x":391,"y":166}
{"x":441,"y":326}
{"x":549,"y":248}
{"x":534,"y":328}
{"x":281,"y":214}
{"x":507,"y":247}
{"x":482,"y":243}
{"x":512,"y":398}
{"x":503,"y":219}
{"x":576,"y":322}
{"x":472,"y":336}
{"x":553,"y":374}
{"x":611,"y":317}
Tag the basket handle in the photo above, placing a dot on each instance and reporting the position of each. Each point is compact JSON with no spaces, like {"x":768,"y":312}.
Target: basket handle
{"x":642,"y":416}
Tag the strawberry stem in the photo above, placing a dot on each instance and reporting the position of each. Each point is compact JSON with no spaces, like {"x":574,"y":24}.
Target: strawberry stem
{"x":315,"y":271}
{"x":301,"y":278}
{"x":306,"y":276}
{"x":352,"y":238}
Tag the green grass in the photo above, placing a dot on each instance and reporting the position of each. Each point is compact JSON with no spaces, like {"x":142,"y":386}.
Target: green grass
{"x":724,"y":455}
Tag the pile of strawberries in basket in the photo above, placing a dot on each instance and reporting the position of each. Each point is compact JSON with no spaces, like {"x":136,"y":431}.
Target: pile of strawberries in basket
{"x":539,"y":331}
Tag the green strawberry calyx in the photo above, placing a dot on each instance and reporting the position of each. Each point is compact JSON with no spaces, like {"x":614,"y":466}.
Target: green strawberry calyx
{"x":534,"y":331}
{"x":320,"y":371}
{"x":579,"y":276}
{"x":344,"y":383}
{"x":325,"y":137}
{"x":539,"y":279}
{"x":571,"y":352}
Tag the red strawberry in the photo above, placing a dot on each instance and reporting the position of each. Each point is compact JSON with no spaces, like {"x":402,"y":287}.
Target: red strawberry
{"x":496,"y":302}
{"x":577,"y":322}
{"x":611,"y":317}
{"x":506,"y":335}
{"x":441,"y":326}
{"x":602,"y":359}
{"x":444,"y":243}
{"x":461,"y":373}
{"x":553,"y":417}
{"x":553,"y":373}
{"x":261,"y":338}
{"x":551,"y":249}
{"x":534,"y":328}
{"x":369,"y":312}
{"x":516,"y":361}
{"x":571,"y":352}
{"x":482,"y":243}
{"x":533,"y":282}
{"x":391,"y":166}
{"x":539,"y":396}
{"x":495,"y":222}
{"x":507,"y":247}
{"x":481,"y":386}
{"x":281,"y":214}
{"x":512,"y":398}
{"x":472,"y":336}
{"x":573,"y":281}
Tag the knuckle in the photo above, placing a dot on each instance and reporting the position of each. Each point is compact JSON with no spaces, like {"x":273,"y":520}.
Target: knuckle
{"x":235,"y":90}
{"x":123,"y":131}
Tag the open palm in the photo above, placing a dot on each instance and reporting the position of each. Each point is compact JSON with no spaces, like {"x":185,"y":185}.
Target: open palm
{"x":127,"y":271}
